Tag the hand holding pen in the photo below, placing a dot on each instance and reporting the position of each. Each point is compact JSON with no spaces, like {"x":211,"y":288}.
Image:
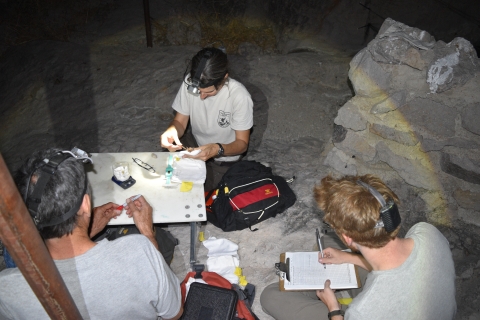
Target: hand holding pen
{"x":125,"y":204}
{"x":320,"y":245}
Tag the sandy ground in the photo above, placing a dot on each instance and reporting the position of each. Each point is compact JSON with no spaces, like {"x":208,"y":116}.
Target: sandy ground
{"x":118,"y":99}
{"x":115,"y":95}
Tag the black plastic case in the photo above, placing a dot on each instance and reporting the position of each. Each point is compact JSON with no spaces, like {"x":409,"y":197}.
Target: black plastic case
{"x":206,"y":302}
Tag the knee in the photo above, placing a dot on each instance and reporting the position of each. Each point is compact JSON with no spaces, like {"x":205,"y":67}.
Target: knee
{"x":268,"y":297}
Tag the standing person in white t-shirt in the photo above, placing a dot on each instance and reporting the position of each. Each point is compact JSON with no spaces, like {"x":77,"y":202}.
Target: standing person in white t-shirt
{"x":220,"y":111}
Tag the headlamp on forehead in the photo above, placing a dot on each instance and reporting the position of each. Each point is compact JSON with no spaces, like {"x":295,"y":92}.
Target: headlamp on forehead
{"x":49,"y":167}
{"x":193,"y":82}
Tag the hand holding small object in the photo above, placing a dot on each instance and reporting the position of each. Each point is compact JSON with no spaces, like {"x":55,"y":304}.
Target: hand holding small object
{"x":101,"y":216}
{"x":125,"y":204}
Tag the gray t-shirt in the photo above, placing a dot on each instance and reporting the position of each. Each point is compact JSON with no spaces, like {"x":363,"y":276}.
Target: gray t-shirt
{"x":423,"y":287}
{"x":122,"y":279}
{"x":216,"y":118}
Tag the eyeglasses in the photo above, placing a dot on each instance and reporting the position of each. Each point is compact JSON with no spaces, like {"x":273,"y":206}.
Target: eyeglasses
{"x":144,"y":165}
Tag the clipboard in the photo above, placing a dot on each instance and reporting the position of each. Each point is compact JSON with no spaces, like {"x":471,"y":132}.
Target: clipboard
{"x":281,"y":281}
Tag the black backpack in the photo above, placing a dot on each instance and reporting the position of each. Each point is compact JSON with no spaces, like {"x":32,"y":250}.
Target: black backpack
{"x":247,"y":194}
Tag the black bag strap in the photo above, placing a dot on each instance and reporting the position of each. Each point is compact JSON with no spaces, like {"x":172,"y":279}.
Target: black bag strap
{"x":198,"y":268}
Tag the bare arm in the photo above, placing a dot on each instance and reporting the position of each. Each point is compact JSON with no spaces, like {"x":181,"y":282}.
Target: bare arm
{"x":175,"y":131}
{"x":238,"y":146}
{"x":335,"y":256}
{"x":141,"y":212}
{"x":101,"y":217}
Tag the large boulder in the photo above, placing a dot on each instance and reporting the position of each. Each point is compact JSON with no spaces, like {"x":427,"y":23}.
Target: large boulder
{"x":415,"y":115}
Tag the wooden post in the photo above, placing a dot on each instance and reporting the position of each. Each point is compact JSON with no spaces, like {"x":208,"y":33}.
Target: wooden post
{"x":148,"y":27}
{"x":21,"y":238}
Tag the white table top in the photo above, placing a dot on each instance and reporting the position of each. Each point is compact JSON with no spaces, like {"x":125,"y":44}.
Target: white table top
{"x":170,"y":205}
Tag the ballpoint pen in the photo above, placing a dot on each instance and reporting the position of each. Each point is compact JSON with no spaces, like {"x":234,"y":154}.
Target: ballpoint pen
{"x":319,"y":241}
{"x":125,"y":204}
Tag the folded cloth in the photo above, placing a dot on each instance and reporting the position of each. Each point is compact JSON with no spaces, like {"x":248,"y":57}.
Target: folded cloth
{"x":190,"y":170}
{"x":220,"y":247}
{"x":224,"y":266}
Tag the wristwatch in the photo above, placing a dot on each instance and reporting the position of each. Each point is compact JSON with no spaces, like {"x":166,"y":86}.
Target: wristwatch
{"x":335,"y":313}
{"x":220,"y":150}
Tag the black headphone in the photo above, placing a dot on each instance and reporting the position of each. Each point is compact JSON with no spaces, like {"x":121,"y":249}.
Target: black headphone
{"x":194,"y":85}
{"x":49,"y":167}
{"x":389,"y":216}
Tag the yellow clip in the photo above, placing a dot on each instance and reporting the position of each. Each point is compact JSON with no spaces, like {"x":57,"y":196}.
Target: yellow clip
{"x":242,"y":281}
{"x":345,"y":301}
{"x":226,"y":190}
{"x":238,"y":271}
{"x":201,"y":236}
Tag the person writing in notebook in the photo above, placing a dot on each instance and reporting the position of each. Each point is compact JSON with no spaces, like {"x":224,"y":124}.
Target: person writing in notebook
{"x":409,"y":278}
{"x":126,"y":278}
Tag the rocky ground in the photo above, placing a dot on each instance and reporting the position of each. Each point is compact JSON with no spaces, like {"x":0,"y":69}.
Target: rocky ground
{"x":114,"y":95}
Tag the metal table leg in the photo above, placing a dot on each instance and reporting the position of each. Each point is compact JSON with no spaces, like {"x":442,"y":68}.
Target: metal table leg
{"x":193,"y":233}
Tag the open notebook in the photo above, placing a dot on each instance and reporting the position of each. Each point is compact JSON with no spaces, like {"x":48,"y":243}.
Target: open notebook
{"x":306,"y":273}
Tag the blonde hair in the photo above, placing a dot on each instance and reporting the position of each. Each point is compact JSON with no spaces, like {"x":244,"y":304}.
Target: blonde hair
{"x":352,"y":210}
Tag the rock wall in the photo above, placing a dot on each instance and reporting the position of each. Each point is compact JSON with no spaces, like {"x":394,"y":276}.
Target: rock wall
{"x":415,"y":122}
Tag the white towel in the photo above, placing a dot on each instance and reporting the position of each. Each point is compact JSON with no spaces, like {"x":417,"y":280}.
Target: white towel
{"x":224,"y":266}
{"x":220,"y":247}
{"x":189,"y":170}
{"x":222,"y":258}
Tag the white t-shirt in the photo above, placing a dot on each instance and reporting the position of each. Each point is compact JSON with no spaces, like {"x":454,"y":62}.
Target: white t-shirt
{"x":126,"y":278}
{"x":216,"y":118}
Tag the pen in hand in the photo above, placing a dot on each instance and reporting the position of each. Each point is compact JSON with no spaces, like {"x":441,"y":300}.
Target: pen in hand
{"x":319,"y":241}
{"x":125,"y":204}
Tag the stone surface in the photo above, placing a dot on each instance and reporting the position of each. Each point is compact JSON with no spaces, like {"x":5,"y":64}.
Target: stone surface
{"x":412,"y":171}
{"x":461,"y":167}
{"x":356,"y":145}
{"x":393,"y":102}
{"x":430,"y":117}
{"x":453,"y":66}
{"x":438,"y":144}
{"x":350,"y":117}
{"x":339,"y":133}
{"x":467,"y":199}
{"x":341,"y":162}
{"x":470,"y":116}
{"x":369,"y":79}
{"x":403,"y":137}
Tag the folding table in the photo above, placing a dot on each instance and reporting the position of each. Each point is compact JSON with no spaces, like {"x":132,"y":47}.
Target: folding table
{"x":169,"y":203}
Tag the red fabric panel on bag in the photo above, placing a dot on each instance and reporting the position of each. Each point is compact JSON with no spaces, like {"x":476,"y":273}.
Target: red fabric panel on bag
{"x":247,"y":198}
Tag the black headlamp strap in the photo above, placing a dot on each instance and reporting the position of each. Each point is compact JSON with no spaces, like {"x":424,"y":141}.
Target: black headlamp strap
{"x":201,"y":67}
{"x":48,"y":170}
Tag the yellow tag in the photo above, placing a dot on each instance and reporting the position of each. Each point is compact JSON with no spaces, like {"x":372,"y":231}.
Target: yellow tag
{"x":238,"y":271}
{"x":201,"y":236}
{"x":186,"y":186}
{"x":226,"y":190}
{"x":345,"y":301}
{"x":242,"y":281}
